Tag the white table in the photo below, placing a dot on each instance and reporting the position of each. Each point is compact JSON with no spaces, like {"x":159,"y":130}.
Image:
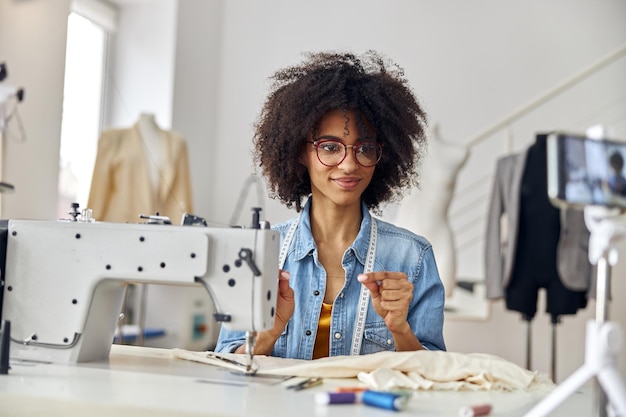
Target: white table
{"x":146,"y":382}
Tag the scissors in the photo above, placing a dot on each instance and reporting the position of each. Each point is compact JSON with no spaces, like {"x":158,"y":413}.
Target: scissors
{"x":307,"y":383}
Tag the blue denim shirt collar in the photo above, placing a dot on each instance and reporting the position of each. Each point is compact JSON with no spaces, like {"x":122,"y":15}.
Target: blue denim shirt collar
{"x":306,"y":244}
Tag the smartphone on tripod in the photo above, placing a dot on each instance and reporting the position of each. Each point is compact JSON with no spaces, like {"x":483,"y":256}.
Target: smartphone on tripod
{"x":584,"y":171}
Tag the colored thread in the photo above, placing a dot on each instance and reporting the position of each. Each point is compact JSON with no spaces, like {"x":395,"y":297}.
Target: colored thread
{"x":350,"y":389}
{"x":386,"y":400}
{"x":475,"y":410}
{"x":323,"y":398}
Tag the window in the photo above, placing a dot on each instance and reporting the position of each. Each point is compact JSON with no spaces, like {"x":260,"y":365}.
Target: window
{"x":85,"y":63}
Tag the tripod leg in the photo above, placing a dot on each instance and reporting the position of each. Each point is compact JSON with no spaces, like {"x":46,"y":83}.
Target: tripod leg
{"x":615,"y":389}
{"x":560,"y":393}
{"x":555,"y":321}
{"x":529,"y":335}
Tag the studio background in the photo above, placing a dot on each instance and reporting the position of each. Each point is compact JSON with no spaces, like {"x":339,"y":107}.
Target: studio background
{"x":201,"y":67}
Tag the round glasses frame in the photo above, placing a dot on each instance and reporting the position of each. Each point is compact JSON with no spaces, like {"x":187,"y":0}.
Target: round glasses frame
{"x":355,"y":149}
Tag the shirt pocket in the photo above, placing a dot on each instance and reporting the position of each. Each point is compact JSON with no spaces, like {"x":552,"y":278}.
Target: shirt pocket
{"x":377,"y":338}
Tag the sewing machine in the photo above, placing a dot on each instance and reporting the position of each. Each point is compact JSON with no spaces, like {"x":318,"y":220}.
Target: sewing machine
{"x":64,"y":281}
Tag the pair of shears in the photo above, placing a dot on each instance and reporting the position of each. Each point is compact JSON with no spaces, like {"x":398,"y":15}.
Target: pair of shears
{"x":307,"y":383}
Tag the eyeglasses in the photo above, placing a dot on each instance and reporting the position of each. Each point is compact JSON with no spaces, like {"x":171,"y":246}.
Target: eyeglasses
{"x":332,"y":152}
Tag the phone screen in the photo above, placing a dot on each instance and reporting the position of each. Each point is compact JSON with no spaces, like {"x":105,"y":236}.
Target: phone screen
{"x":583,"y":171}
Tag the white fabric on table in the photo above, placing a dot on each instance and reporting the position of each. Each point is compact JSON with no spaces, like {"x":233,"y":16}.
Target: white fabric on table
{"x":419,"y":370}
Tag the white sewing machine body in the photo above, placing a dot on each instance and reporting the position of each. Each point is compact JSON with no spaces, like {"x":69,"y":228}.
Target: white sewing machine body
{"x":64,"y":281}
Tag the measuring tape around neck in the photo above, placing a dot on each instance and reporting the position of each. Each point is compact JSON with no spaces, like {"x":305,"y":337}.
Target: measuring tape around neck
{"x":364,"y":296}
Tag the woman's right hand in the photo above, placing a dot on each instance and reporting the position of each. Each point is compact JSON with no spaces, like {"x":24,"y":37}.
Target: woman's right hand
{"x":285,"y":306}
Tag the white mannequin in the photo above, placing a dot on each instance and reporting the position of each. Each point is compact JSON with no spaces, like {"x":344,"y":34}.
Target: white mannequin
{"x":154,"y":146}
{"x":425,"y":210}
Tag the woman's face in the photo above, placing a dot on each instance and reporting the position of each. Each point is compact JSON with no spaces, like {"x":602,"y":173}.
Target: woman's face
{"x":343,"y":184}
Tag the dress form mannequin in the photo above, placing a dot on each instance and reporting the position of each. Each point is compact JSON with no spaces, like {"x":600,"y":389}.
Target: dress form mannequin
{"x":153,"y":145}
{"x":131,"y":163}
{"x":153,"y":142}
{"x":425,"y":210}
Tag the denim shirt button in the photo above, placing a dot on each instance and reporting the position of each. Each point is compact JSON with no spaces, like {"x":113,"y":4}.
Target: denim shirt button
{"x":389,"y":342}
{"x":337,"y":335}
{"x":308,"y":333}
{"x":316,"y":293}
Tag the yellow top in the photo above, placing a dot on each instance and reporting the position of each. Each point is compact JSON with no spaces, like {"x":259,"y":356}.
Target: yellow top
{"x":322,"y":341}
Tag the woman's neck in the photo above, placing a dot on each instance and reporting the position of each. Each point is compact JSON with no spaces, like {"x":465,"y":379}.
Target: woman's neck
{"x":335,"y":223}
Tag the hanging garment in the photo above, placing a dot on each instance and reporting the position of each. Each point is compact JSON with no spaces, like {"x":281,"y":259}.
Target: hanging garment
{"x":530,"y":244}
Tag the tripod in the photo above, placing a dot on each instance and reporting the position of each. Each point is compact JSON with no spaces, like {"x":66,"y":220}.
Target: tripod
{"x":604,"y":339}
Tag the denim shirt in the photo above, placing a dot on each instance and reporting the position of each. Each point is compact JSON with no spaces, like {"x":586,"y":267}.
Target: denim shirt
{"x":397,"y":250}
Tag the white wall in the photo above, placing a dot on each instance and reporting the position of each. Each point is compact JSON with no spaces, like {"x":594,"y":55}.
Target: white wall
{"x":32,"y":43}
{"x":196,"y":94}
{"x":140,"y":75}
{"x":471,"y":63}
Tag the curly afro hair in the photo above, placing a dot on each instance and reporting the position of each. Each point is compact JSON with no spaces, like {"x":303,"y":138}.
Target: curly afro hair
{"x":368,"y":85}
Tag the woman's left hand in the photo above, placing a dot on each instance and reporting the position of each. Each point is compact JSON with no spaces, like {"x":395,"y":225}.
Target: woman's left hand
{"x":391,"y":296}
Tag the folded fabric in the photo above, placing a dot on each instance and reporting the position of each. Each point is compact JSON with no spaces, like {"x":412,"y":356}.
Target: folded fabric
{"x":420,"y":370}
